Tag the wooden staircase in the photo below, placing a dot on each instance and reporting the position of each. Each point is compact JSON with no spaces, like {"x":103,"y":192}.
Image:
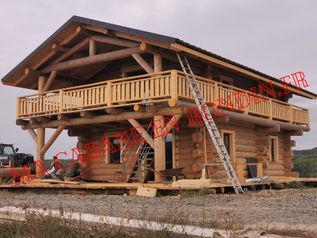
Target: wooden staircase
{"x":145,"y":162}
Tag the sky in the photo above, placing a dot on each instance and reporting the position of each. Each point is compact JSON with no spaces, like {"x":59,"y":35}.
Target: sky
{"x":274,"y":37}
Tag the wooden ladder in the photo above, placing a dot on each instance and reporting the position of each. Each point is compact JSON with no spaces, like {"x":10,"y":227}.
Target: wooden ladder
{"x":210,"y":123}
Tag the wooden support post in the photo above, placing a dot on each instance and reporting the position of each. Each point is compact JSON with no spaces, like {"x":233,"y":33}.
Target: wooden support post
{"x":52,"y":139}
{"x":172,"y":102}
{"x":138,"y":58}
{"x":171,"y":124}
{"x":40,"y":139}
{"x":50,"y":80}
{"x":142,"y":131}
{"x":157,"y":63}
{"x":159,"y":146}
{"x":92,"y":47}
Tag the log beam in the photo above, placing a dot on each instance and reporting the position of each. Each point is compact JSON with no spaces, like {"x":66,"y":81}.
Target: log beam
{"x":87,"y":114}
{"x":114,"y":41}
{"x":142,"y":131}
{"x":253,"y":119}
{"x":105,"y":118}
{"x":119,"y":54}
{"x":72,"y":50}
{"x":53,"y":138}
{"x":96,"y":29}
{"x":171,"y":124}
{"x":138,"y":58}
{"x":50,"y":80}
{"x":40,"y":139}
{"x":159,"y":146}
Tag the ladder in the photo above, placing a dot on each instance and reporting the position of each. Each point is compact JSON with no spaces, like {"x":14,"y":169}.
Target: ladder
{"x":144,"y":163}
{"x":210,"y":123}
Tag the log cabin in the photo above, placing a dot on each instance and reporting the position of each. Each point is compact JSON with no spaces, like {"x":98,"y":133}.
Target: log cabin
{"x":106,"y":84}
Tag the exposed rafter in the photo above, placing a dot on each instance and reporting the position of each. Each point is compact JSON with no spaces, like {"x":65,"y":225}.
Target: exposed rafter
{"x":114,"y":41}
{"x":138,"y":58}
{"x":95,"y":59}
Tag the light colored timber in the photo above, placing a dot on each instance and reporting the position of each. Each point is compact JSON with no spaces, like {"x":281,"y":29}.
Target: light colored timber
{"x":157,"y":58}
{"x":139,"y":108}
{"x":168,"y":86}
{"x":32,"y":134}
{"x":104,"y":118}
{"x":142,"y":131}
{"x":50,"y":80}
{"x":52,"y":139}
{"x":159,"y":146}
{"x":96,"y":29}
{"x":93,"y":59}
{"x":40,"y":140}
{"x":138,"y":58}
{"x":171,"y":124}
{"x":254,"y":119}
{"x":114,"y":41}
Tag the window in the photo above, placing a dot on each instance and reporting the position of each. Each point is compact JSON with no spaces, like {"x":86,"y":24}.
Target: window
{"x":273,"y":148}
{"x":228,"y":138}
{"x":114,"y":157}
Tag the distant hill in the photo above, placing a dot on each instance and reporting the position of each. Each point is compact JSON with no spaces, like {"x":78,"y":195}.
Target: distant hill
{"x":305,"y":162}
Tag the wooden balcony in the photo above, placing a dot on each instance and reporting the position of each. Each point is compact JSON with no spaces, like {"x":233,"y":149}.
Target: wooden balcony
{"x":167,"y":86}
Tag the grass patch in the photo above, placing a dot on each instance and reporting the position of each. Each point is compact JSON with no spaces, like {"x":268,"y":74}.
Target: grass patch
{"x":197,"y":193}
{"x":295,"y":184}
{"x":43,"y":226}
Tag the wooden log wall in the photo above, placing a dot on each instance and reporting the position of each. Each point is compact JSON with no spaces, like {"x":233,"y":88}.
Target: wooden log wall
{"x":249,"y":142}
{"x":98,"y":169}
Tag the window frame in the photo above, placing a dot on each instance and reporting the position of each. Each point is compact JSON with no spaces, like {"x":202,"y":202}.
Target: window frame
{"x":232,"y":151}
{"x":276,"y":151}
{"x":108,"y":152}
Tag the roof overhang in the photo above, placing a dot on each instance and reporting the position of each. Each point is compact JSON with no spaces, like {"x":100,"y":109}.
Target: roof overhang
{"x":29,"y":66}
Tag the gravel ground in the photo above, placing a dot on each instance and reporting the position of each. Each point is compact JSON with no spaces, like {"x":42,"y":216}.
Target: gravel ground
{"x":285,"y":208}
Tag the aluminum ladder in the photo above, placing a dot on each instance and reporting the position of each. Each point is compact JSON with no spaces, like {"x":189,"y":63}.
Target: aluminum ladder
{"x":210,"y":123}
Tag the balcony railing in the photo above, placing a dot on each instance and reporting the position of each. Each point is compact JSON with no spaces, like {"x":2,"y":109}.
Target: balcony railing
{"x":151,"y":88}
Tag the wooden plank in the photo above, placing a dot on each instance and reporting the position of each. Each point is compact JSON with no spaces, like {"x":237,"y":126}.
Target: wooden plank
{"x":146,"y":192}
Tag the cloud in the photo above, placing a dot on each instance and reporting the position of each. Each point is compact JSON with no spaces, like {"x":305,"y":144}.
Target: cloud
{"x":276,"y":37}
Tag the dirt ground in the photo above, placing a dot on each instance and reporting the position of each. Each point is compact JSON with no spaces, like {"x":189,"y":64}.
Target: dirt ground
{"x":290,"y":211}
